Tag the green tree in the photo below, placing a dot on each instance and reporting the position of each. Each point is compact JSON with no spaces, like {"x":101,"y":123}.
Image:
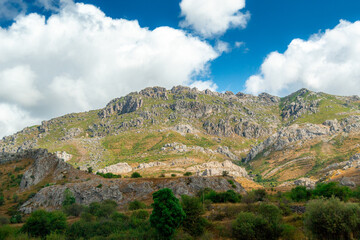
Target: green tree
{"x":332,"y":219}
{"x":135,"y":175}
{"x":2,"y":199}
{"x":251,"y":227}
{"x":194,"y":223}
{"x":42,"y":223}
{"x":331,"y":189}
{"x":167,"y":213}
{"x":69,"y":198}
{"x":135,"y":205}
{"x":300,"y":193}
{"x":90,"y":170}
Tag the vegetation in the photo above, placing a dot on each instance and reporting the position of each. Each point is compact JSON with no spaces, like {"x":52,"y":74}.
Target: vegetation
{"x":136,"y":205}
{"x":135,"y":175}
{"x":167,"y":213}
{"x":108,"y":175}
{"x":332,"y":219}
{"x":194,"y":223}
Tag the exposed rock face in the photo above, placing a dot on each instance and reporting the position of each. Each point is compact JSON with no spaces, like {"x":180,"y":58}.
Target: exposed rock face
{"x":64,"y":156}
{"x":181,"y":148}
{"x":294,"y":109}
{"x":119,"y":168}
{"x":155,"y":92}
{"x":306,"y":182}
{"x":184,"y":129}
{"x":123,"y":190}
{"x":45,"y":164}
{"x":347,"y":182}
{"x":123,"y":105}
{"x":295,"y":134}
{"x":150,"y":165}
{"x":217,"y":169}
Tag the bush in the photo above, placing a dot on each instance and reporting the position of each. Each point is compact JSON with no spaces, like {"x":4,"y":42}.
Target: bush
{"x":2,"y":199}
{"x":42,"y":223}
{"x":17,"y":218}
{"x":55,"y":236}
{"x":332,"y":219}
{"x":167,"y":213}
{"x":249,"y":226}
{"x":300,"y":193}
{"x":108,"y":175}
{"x":102,"y":210}
{"x":223,"y":197}
{"x":135,"y":175}
{"x":194,"y":224}
{"x":73,"y":210}
{"x":69,"y":198}
{"x":331,"y":189}
{"x":7,"y":231}
{"x":90,"y":169}
{"x":140,"y":214}
{"x":4,"y":221}
{"x":187,"y":174}
{"x":135,"y":205}
{"x":173,"y":175}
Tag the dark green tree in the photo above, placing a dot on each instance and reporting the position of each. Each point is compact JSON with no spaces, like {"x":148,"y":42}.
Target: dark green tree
{"x":135,"y":175}
{"x":2,"y":199}
{"x":42,"y":223}
{"x":300,"y":193}
{"x":332,"y":219}
{"x":69,"y":198}
{"x":167,"y":213}
{"x":332,"y":189}
{"x":194,"y":223}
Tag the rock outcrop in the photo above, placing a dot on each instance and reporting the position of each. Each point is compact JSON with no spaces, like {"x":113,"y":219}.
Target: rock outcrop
{"x":119,"y":168}
{"x":123,"y":191}
{"x":217,"y":169}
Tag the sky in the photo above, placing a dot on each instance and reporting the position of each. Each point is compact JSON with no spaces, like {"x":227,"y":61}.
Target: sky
{"x":63,"y":56}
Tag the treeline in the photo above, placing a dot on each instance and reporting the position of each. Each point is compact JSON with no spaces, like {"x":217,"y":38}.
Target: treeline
{"x":256,"y":215}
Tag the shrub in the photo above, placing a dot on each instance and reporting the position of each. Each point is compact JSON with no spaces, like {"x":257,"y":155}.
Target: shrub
{"x":2,"y":199}
{"x":73,"y":210}
{"x":140,"y":214}
{"x":108,"y":175}
{"x":90,"y":169}
{"x":17,"y":218}
{"x":194,"y":224}
{"x":331,"y":189}
{"x":300,"y":193}
{"x":4,"y":221}
{"x":15,"y":198}
{"x":69,"y":198}
{"x":332,"y":219}
{"x":173,"y":175}
{"x":225,"y":173}
{"x":104,"y":209}
{"x":42,"y":223}
{"x":55,"y":236}
{"x":187,"y":174}
{"x":222,"y":197}
{"x":7,"y":231}
{"x":167,"y":213}
{"x":249,"y":226}
{"x":135,"y":175}
{"x":135,"y":205}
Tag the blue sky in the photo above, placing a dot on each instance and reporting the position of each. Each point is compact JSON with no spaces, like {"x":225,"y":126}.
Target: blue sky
{"x":272,"y":26}
{"x":61,"y":56}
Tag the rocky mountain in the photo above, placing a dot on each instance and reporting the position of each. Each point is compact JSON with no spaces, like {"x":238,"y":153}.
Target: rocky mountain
{"x":169,"y":132}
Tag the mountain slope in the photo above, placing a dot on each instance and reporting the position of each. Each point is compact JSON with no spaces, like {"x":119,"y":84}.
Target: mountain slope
{"x":178,"y":130}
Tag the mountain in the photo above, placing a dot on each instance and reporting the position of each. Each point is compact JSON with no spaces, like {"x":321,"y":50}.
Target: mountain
{"x":169,"y":132}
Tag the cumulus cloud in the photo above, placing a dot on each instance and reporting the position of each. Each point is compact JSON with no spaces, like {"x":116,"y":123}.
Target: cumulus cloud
{"x":328,"y":62}
{"x":212,"y":18}
{"x":13,"y":118}
{"x":79,"y":59}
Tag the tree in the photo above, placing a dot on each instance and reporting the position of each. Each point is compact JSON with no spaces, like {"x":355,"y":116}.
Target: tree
{"x":69,"y":198}
{"x":135,"y":175}
{"x":300,"y":193}
{"x":90,"y":169}
{"x":194,"y":223}
{"x":2,"y":199}
{"x":332,"y":219}
{"x":42,"y":223}
{"x":331,"y":189}
{"x":249,"y":226}
{"x":167,"y":213}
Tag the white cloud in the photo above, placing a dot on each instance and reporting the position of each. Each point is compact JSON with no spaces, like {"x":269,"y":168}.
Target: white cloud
{"x":212,"y":18}
{"x":12,"y":119}
{"x":328,"y":62}
{"x":239,"y":44}
{"x":222,"y":47}
{"x":79,"y":59}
